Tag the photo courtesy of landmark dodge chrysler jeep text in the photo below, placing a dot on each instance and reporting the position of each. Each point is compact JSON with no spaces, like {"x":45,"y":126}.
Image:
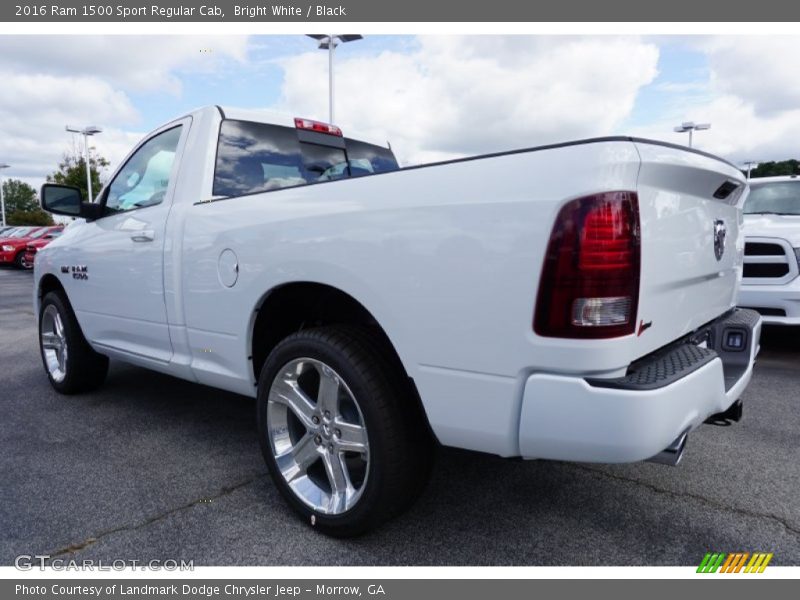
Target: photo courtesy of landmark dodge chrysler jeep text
{"x":571,"y":302}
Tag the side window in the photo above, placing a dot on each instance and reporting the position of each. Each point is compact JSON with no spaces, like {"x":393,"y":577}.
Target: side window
{"x":144,"y":179}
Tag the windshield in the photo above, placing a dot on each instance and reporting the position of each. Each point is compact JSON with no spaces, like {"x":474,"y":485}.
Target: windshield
{"x":22,"y":232}
{"x":779,"y":198}
{"x":38,"y":234}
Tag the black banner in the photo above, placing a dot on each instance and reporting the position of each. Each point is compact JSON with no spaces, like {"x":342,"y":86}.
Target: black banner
{"x":386,"y":589}
{"x":405,"y":11}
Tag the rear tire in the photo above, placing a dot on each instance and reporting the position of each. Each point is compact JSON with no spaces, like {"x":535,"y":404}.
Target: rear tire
{"x":69,"y":361}
{"x":332,"y":408}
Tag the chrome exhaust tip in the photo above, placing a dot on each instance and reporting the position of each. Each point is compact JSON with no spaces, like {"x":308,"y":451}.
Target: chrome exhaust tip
{"x":672,"y":454}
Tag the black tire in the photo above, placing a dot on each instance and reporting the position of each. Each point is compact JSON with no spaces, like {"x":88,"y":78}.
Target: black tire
{"x":85,"y":369}
{"x":400,"y":445}
{"x":19,"y":260}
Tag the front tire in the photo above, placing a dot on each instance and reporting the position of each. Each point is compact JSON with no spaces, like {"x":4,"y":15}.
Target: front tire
{"x":338,"y":432}
{"x":70,"y":363}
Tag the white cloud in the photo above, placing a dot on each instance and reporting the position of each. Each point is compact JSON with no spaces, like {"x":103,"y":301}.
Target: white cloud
{"x":51,"y":81}
{"x":37,"y":108}
{"x":138,"y":63}
{"x":752,"y":100}
{"x":759,"y":70}
{"x":737,"y":131}
{"x":454,"y":96}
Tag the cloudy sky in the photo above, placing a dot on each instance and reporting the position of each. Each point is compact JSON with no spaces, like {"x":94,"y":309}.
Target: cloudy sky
{"x":431,"y":97}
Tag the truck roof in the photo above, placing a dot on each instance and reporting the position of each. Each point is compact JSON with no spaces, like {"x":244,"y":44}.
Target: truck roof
{"x":777,"y":178}
{"x":272,"y":117}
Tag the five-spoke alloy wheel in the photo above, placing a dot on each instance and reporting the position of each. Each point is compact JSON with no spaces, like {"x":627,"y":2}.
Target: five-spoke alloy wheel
{"x":54,"y":343}
{"x":342,"y":437}
{"x":71,"y":364}
{"x":318,"y":436}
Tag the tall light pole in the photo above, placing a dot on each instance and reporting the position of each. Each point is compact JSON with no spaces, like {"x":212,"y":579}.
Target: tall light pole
{"x":2,"y":197}
{"x":750,"y":164}
{"x":691,"y":126}
{"x":329,"y":43}
{"x":86,"y":132}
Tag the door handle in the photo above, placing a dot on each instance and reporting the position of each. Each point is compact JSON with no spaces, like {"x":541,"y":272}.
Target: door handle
{"x":145,"y":235}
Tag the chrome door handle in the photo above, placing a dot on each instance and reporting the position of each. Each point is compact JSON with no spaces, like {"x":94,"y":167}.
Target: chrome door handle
{"x":145,"y":235}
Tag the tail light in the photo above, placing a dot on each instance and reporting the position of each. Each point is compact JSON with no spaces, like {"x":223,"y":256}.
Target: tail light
{"x":317,"y":126}
{"x":590,"y":280}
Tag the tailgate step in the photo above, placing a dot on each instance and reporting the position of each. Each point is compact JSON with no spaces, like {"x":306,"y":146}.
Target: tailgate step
{"x":660,"y":370}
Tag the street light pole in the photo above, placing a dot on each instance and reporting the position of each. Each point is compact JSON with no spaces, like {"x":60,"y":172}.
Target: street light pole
{"x":2,"y":197}
{"x":691,"y":127}
{"x":329,"y":43}
{"x":750,"y":164}
{"x":87,"y":131}
{"x":331,"y":48}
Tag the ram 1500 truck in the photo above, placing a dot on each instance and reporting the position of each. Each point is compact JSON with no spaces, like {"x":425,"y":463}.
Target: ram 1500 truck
{"x":771,"y":281}
{"x":572,"y":302}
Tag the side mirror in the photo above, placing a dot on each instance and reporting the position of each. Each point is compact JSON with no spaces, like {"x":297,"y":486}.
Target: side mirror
{"x":67,"y":200}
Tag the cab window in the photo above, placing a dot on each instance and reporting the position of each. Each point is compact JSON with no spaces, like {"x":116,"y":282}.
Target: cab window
{"x":144,"y":179}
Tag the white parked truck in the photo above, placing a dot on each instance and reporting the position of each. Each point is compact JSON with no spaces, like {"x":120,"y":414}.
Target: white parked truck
{"x":572,"y":302}
{"x":771,"y":285}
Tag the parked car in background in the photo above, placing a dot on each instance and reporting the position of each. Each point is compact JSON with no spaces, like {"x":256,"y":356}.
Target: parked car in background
{"x":12,"y":249}
{"x":569,"y":302}
{"x":6,"y":229}
{"x":35,"y":245}
{"x":771,"y":277}
{"x":19,"y":231}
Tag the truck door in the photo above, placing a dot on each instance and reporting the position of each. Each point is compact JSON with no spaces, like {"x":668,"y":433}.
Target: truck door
{"x":117,"y":265}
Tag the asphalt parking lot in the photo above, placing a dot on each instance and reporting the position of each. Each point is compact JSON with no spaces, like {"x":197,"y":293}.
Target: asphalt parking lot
{"x":151,"y":467}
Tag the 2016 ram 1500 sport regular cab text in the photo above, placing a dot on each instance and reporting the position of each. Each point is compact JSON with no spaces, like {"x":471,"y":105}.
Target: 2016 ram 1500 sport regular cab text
{"x":571,"y":302}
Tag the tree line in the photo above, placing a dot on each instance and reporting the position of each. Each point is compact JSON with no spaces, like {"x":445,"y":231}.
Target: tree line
{"x":22,"y":200}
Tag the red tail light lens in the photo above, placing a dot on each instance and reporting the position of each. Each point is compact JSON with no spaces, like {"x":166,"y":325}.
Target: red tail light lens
{"x":317,"y":126}
{"x":590,"y":280}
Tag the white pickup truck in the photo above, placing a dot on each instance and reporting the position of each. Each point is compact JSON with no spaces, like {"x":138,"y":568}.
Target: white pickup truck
{"x":571,"y":302}
{"x":771,"y":282}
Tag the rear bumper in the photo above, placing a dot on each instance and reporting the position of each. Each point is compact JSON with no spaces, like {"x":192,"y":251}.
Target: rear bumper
{"x":780,"y":298}
{"x":569,"y":418}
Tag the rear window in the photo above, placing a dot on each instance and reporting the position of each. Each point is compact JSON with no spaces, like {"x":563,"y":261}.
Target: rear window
{"x":782,"y":197}
{"x":256,"y":157}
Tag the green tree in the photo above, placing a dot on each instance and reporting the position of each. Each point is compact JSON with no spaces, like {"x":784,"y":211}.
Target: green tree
{"x":35,"y":217}
{"x":72,"y":171}
{"x":22,"y":204}
{"x":775,"y":168}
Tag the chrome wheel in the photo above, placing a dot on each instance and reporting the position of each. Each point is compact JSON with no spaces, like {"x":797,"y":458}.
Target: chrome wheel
{"x":318,"y":436}
{"x":54,"y":343}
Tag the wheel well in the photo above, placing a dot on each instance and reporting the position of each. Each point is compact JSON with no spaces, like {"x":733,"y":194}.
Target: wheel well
{"x":50,"y":283}
{"x":296,"y":306}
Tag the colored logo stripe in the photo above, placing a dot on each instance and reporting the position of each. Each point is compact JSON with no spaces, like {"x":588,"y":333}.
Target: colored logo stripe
{"x":734,"y":562}
{"x":758,"y":563}
{"x":711,"y":562}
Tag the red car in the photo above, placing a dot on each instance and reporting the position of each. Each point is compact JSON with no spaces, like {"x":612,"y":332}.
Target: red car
{"x":12,"y":249}
{"x":34,"y":246}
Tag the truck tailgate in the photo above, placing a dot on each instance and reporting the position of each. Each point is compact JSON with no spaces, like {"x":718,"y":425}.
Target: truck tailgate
{"x":692,"y":246}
